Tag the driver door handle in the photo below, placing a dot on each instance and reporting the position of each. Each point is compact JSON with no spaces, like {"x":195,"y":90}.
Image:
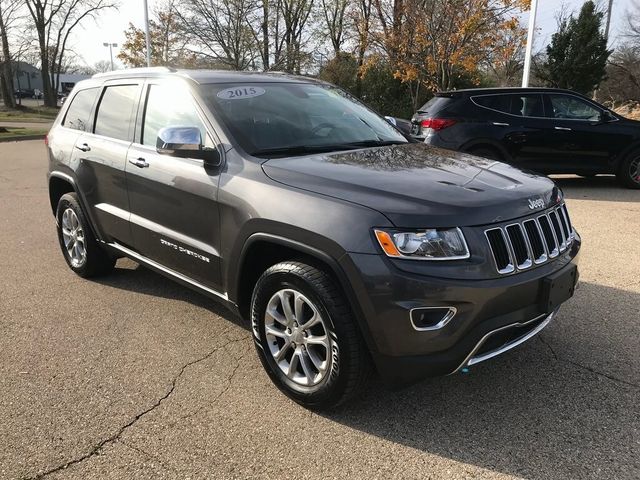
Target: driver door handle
{"x":84,"y":147}
{"x":563,"y":128}
{"x":139,"y":162}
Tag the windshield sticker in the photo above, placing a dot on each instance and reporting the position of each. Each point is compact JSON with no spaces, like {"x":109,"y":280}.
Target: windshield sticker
{"x":237,"y":93}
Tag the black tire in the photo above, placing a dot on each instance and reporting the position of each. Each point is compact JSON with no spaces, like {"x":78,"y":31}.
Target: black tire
{"x":96,"y":261}
{"x":486,"y":152}
{"x":628,"y":173}
{"x":349,"y":361}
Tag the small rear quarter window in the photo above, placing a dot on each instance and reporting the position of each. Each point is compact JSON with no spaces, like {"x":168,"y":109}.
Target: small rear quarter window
{"x":78,"y":116}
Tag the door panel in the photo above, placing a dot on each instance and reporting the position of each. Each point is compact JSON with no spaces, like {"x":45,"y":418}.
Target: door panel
{"x":174,"y":211}
{"x":101,"y":175}
{"x":100,"y":157}
{"x":580,"y":142}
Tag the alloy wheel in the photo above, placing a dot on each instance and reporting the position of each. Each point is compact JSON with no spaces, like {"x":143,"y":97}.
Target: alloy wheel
{"x":297,"y":337}
{"x":73,"y":237}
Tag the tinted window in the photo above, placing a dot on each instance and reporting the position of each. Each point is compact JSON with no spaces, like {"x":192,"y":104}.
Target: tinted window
{"x":114,"y":113}
{"x":78,"y":115}
{"x":269,"y":116}
{"x":436,"y":104}
{"x":168,"y":106}
{"x":573,"y":108}
{"x":527,"y":105}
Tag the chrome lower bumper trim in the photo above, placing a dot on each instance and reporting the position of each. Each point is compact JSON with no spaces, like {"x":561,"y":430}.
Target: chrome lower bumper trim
{"x":472,"y":359}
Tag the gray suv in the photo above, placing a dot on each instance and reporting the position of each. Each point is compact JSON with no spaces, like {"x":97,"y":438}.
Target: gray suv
{"x":348,"y":247}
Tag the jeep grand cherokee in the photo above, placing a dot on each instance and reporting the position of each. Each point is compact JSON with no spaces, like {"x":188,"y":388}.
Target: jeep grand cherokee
{"x":347,"y":247}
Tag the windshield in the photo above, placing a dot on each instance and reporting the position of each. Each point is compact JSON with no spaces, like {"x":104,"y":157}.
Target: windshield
{"x":278,"y":119}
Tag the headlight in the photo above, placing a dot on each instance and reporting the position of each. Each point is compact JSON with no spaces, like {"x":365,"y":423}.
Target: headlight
{"x":429,"y":244}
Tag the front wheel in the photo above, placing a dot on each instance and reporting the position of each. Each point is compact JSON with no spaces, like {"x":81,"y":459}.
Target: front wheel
{"x":306,"y":336}
{"x":629,"y":171}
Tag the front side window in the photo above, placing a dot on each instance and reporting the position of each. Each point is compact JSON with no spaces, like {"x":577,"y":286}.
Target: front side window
{"x":114,"y":112}
{"x":169,"y":106}
{"x":521,"y":105}
{"x":78,"y":115}
{"x":270,"y":119}
{"x":572,"y":108}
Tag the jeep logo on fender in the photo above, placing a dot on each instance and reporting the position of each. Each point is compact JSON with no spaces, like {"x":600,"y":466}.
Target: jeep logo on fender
{"x":536,"y":203}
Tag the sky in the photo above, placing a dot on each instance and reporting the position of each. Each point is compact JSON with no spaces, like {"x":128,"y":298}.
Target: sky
{"x":88,"y":40}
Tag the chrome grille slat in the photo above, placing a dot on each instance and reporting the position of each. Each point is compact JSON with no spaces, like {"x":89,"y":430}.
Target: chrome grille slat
{"x":533,"y":241}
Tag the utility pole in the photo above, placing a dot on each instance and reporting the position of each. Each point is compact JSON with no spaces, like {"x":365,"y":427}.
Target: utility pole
{"x":111,"y":46}
{"x":530,"y":35}
{"x":606,"y":30}
{"x":146,"y":32}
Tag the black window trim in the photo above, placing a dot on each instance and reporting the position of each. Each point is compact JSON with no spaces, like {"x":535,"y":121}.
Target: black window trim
{"x":545,"y":98}
{"x":510,"y":94}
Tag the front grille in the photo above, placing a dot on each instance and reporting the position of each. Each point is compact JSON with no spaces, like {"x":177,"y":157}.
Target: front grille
{"x":519,"y":246}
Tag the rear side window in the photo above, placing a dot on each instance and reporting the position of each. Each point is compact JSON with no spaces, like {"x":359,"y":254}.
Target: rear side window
{"x":114,"y":112}
{"x":78,"y":114}
{"x":524,"y":105}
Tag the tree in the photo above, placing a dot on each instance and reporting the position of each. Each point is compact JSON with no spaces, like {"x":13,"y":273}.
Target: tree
{"x":577,"y":55}
{"x":435,"y":43}
{"x":169,"y":41}
{"x":334,"y":16}
{"x":54,"y":20}
{"x":222,"y":30}
{"x":8,"y":11}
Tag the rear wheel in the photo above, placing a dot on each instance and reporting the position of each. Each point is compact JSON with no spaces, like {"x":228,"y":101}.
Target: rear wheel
{"x":629,"y":171}
{"x":306,"y":336}
{"x":79,"y":247}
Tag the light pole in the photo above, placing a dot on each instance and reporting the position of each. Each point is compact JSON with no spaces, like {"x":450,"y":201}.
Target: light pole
{"x":530,"y":34}
{"x":111,"y":46}
{"x":146,"y":32}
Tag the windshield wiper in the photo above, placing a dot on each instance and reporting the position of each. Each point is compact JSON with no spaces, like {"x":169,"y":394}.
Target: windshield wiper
{"x":310,"y":149}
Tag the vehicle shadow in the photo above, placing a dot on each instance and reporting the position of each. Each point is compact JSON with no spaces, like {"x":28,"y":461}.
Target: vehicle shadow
{"x":601,"y":187}
{"x":532,"y":412}
{"x":133,"y":277}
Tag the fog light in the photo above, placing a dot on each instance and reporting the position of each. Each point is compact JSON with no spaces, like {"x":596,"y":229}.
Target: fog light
{"x":431,"y":318}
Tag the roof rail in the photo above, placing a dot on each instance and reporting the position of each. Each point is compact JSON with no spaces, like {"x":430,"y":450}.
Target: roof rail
{"x":129,"y":71}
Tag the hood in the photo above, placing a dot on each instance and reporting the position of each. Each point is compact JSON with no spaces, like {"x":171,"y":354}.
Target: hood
{"x":416,"y":185}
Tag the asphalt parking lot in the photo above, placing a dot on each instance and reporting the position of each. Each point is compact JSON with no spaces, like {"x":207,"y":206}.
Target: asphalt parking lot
{"x":134,"y":376}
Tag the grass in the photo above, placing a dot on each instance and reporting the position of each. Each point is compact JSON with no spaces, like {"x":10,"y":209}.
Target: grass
{"x":13,"y":132}
{"x":28,"y":114}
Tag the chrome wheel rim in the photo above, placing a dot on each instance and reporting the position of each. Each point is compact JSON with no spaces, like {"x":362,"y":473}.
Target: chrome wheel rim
{"x":634,"y":170}
{"x":73,"y":238}
{"x":297,"y":337}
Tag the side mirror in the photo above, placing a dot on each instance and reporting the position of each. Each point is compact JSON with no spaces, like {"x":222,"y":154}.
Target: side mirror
{"x":391,"y":120}
{"x":186,"y":142}
{"x":606,"y":117}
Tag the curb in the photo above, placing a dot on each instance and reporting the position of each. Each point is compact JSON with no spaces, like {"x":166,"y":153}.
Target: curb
{"x":19,"y":138}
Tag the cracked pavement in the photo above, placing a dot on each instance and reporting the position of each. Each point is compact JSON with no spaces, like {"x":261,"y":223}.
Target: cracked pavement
{"x":134,"y":376}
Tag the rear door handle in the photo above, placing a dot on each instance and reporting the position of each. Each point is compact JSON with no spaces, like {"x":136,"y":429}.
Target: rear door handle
{"x":563,"y":128}
{"x":500,"y":124}
{"x":84,"y":147}
{"x":139,"y":162}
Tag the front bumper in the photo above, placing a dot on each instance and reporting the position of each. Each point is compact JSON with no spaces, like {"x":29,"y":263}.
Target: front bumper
{"x":492,"y":316}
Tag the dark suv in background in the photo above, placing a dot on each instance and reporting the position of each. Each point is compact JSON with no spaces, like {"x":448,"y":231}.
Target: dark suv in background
{"x":545,"y":130}
{"x":344,"y":245}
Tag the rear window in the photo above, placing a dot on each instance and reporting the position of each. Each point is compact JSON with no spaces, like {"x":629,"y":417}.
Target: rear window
{"x":78,"y":114}
{"x":114,"y":113}
{"x":436,"y":104}
{"x":522,"y":105}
